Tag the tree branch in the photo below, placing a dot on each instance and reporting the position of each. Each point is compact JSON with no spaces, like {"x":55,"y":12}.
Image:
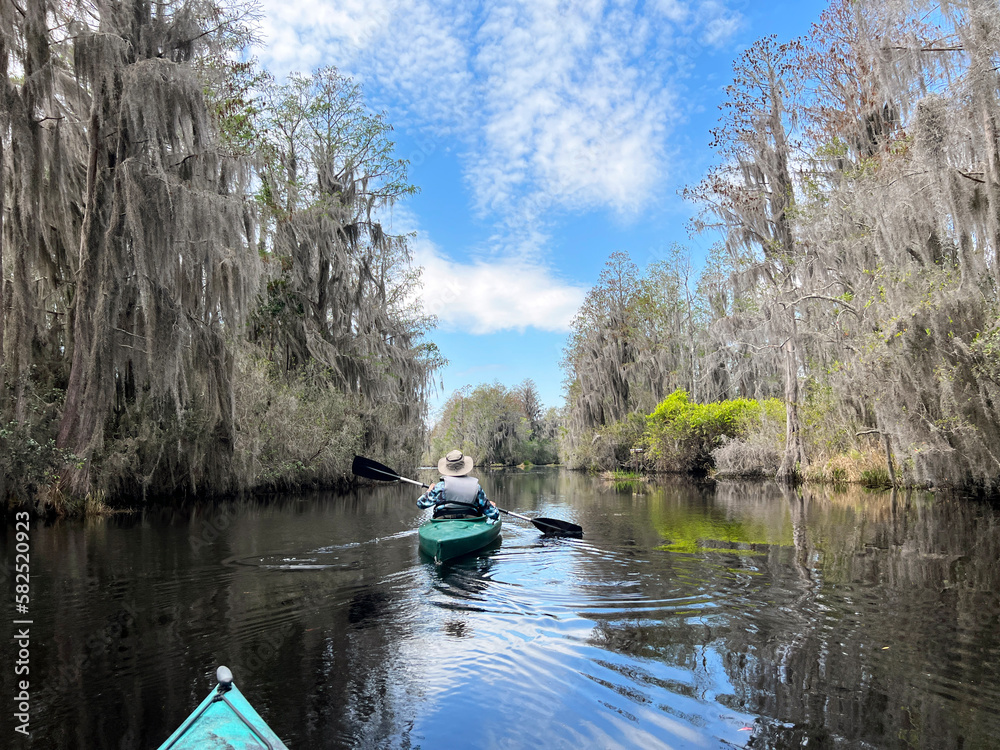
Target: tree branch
{"x":970,"y":177}
{"x":837,"y":300}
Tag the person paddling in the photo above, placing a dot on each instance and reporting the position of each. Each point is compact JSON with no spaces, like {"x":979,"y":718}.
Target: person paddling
{"x":457,"y":495}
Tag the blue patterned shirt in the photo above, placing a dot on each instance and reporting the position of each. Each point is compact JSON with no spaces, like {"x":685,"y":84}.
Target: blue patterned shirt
{"x":435,"y":496}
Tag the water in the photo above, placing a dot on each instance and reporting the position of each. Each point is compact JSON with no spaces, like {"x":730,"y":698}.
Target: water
{"x":687,"y":617}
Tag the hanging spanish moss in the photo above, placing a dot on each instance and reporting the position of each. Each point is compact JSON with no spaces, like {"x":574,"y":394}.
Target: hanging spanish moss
{"x":858,"y":203}
{"x":140,"y":271}
{"x":338,"y":284}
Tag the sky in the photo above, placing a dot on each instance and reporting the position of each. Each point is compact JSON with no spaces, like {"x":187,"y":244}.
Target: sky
{"x":543,"y":136}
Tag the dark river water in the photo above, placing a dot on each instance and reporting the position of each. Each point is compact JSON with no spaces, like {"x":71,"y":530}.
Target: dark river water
{"x":686,"y":617}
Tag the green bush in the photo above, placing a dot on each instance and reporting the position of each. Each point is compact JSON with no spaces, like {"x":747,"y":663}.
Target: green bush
{"x":30,"y":463}
{"x":876,"y":479}
{"x":681,"y":435}
{"x":540,"y":451}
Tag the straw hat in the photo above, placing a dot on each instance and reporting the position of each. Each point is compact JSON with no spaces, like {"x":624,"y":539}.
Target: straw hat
{"x":455,"y":464}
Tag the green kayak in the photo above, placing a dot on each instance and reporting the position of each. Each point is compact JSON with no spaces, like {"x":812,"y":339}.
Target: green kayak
{"x":224,"y":720}
{"x":445,"y":538}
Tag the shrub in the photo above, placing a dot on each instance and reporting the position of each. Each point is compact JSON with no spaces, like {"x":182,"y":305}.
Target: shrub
{"x":877,"y":478}
{"x":865,"y":467}
{"x":612,"y":444}
{"x":606,"y":447}
{"x":298,"y":431}
{"x":758,"y":453}
{"x":30,"y":464}
{"x":540,"y":451}
{"x":747,"y":458}
{"x":681,"y":435}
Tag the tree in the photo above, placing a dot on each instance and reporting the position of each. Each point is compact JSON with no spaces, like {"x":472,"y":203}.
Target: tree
{"x":486,"y":422}
{"x":157,"y":214}
{"x":339,"y":293}
{"x":751,"y":193}
{"x":912,"y":235}
{"x":531,"y":405}
{"x":670,"y":323}
{"x":602,"y":350}
{"x":140,"y":270}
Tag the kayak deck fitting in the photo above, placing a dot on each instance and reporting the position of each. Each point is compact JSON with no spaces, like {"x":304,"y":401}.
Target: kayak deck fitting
{"x":446,"y":538}
{"x":225,"y":719}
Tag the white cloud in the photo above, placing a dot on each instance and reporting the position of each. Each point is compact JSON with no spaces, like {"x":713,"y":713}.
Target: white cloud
{"x":482,"y":296}
{"x":675,"y":10}
{"x":507,"y":291}
{"x":721,"y":23}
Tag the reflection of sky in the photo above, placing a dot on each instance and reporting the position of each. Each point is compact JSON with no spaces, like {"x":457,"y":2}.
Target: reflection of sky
{"x":531,"y":666}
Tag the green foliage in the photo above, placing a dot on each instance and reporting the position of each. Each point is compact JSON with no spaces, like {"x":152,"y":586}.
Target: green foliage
{"x":681,"y":435}
{"x":29,"y":462}
{"x":496,"y":425}
{"x":606,"y":448}
{"x":876,"y":478}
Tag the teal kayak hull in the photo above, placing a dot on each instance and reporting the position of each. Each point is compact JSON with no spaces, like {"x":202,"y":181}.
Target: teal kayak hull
{"x":446,"y":538}
{"x":225,"y":719}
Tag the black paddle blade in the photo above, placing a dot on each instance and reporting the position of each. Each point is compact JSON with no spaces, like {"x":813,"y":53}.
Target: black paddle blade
{"x":365,"y":467}
{"x":555,"y":527}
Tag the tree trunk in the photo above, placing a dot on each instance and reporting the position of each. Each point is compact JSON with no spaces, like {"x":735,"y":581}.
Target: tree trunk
{"x":76,"y":427}
{"x":888,"y":459}
{"x":794,"y":456}
{"x":22,"y":319}
{"x":3,"y":245}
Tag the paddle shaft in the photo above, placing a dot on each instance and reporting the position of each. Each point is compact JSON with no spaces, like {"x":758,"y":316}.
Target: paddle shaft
{"x":516,"y":515}
{"x":414,"y":481}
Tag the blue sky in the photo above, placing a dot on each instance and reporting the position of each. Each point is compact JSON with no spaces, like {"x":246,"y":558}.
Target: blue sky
{"x":543,"y":136}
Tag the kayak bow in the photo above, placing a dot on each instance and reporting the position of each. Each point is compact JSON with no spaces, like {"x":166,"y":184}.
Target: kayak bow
{"x":225,"y":719}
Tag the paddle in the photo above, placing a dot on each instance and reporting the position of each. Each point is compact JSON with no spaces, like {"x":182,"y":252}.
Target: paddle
{"x":365,"y":467}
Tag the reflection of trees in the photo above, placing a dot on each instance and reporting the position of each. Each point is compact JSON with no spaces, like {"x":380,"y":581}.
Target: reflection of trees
{"x":875,"y":621}
{"x":314,"y":651}
{"x":891,"y":627}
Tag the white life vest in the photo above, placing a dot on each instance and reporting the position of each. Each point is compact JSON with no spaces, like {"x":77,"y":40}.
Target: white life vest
{"x":458,"y":490}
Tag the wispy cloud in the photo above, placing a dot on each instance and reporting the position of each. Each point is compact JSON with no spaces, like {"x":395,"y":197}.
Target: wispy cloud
{"x":676,"y":10}
{"x":571,"y":112}
{"x":557,"y":106}
{"x":721,"y":23}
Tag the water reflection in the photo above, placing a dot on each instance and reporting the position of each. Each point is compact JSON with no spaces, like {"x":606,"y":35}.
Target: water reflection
{"x":688,"y":616}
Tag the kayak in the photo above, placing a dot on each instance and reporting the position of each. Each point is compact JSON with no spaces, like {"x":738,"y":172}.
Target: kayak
{"x":225,"y":719}
{"x":445,"y":538}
